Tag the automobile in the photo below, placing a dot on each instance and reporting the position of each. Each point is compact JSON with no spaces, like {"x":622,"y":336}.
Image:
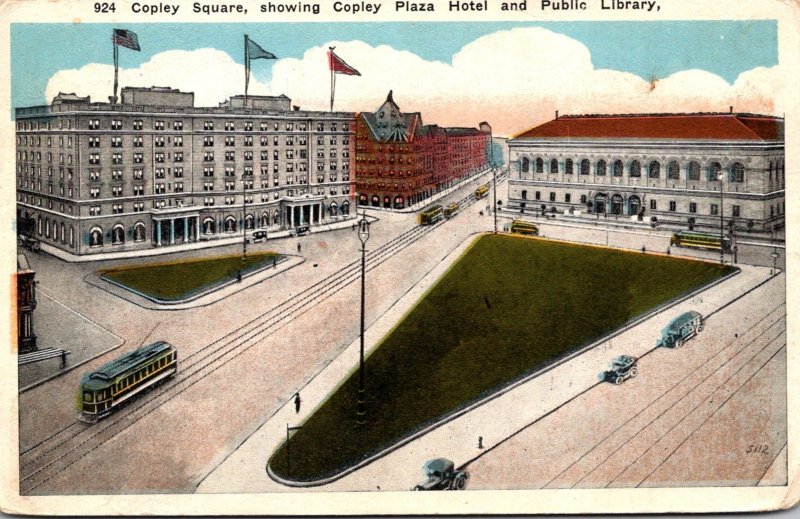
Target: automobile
{"x":257,"y":236}
{"x":622,"y":368}
{"x":681,"y":329}
{"x":441,"y":474}
{"x":301,"y":231}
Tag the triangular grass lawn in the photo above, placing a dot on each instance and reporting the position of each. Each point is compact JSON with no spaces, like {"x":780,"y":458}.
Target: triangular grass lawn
{"x":178,"y":280}
{"x":508,"y":305}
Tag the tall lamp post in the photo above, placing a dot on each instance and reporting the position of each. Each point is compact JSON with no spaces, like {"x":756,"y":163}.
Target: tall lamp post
{"x":363,"y":236}
{"x":721,"y":177}
{"x":494,"y":179}
{"x":244,"y":220}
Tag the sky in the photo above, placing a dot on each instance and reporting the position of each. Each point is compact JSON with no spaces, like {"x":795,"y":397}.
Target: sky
{"x":511,"y":74}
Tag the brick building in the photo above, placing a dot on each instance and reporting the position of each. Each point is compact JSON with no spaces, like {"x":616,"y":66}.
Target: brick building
{"x":664,"y":165}
{"x":401,"y":162}
{"x":156,"y":171}
{"x":26,"y":304}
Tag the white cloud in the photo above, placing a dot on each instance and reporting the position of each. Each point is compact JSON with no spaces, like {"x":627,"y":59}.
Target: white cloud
{"x":514,"y":79}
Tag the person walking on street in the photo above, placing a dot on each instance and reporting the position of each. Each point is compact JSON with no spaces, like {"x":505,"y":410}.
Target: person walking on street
{"x":298,"y":247}
{"x":297,"y":402}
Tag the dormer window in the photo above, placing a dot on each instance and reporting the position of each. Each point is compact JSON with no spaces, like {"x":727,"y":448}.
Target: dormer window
{"x":380,"y":115}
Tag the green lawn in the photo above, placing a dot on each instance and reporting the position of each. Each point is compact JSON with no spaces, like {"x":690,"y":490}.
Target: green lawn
{"x":179,"y":280}
{"x":506,"y":306}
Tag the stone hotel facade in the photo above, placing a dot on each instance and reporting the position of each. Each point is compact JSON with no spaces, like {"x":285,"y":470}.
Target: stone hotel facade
{"x":156,"y":171}
{"x":670,"y":166}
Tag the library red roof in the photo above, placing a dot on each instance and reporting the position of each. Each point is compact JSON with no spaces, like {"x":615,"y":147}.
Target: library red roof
{"x":700,"y":126}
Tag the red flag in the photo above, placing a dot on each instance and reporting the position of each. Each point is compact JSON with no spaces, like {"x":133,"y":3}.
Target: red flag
{"x":338,"y":66}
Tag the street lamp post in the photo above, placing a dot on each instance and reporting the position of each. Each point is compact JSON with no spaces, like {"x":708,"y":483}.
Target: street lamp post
{"x":774,"y":261}
{"x":494,"y":179}
{"x":244,"y":220}
{"x":363,"y":236}
{"x":720,"y":177}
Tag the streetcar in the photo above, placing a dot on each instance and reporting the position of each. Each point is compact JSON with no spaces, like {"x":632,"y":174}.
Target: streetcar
{"x":700,"y":240}
{"x":112,"y":384}
{"x":451,"y":210}
{"x":523,"y":227}
{"x":431,"y":215}
{"x":482,"y":191}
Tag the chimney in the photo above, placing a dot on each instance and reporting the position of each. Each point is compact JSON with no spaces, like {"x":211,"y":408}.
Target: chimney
{"x":731,"y":109}
{"x":296,"y":108}
{"x":556,"y":114}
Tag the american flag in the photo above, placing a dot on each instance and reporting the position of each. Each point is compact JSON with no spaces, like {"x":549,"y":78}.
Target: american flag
{"x":125,"y":38}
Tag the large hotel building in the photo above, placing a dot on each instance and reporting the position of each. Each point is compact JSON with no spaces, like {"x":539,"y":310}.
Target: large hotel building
{"x":156,"y":171}
{"x":671,"y":166}
{"x":401,"y":162}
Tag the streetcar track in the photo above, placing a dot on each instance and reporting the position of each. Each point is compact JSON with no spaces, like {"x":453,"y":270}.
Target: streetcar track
{"x":724,"y":402}
{"x":665,"y":393}
{"x":689,"y":393}
{"x":257,"y":329}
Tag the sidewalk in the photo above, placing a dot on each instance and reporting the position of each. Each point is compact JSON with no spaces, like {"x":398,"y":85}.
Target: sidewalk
{"x":244,"y":470}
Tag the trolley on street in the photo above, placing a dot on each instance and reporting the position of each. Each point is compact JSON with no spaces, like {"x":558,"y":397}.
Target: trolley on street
{"x":700,"y":240}
{"x":431,"y":215}
{"x":523,"y":227}
{"x":450,"y":210}
{"x":482,"y":191}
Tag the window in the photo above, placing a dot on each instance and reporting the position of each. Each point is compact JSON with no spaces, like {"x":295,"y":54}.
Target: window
{"x":178,"y":187}
{"x":178,"y":141}
{"x":208,"y":171}
{"x":208,"y":202}
{"x":248,"y":140}
{"x":160,"y":172}
{"x":94,"y":124}
{"x":714,"y":170}
{"x":248,"y":155}
{"x":539,"y":165}
{"x":161,"y":188}
{"x":672,"y":205}
{"x":673,"y":171}
{"x":567,"y":198}
{"x":653,"y":205}
{"x":159,"y":157}
{"x":737,"y":172}
{"x":208,"y":125}
{"x":585,"y":167}
{"x":248,"y":126}
{"x":568,"y":166}
{"x":94,"y":174}
{"x":208,"y":186}
{"x":138,"y":141}
{"x":617,"y":168}
{"x":654,"y":170}
{"x":230,"y":171}
{"x":116,"y":174}
{"x":230,"y":140}
{"x":137,"y":124}
{"x":538,"y":195}
{"x":693,"y":171}
{"x":94,"y":192}
{"x":692,"y":207}
{"x":116,"y":124}
{"x":601,"y":168}
{"x":635,"y":169}
{"x":229,"y":200}
{"x":178,"y":156}
{"x":116,"y":208}
{"x":138,"y":174}
{"x":229,"y":127}
{"x":177,"y":172}
{"x":736,"y":210}
{"x":158,"y":125}
{"x":714,"y":210}
{"x":94,"y":210}
{"x":138,"y":158}
{"x":230,"y":155}
{"x":552,"y":196}
{"x":116,"y":158}
{"x":208,"y":140}
{"x":138,"y":190}
{"x":177,"y":125}
{"x":208,"y":156}
{"x":94,"y":142}
{"x":158,"y":142}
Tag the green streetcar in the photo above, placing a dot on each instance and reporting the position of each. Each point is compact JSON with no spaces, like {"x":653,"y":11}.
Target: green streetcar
{"x":700,"y":240}
{"x":523,"y":227}
{"x":431,"y":215}
{"x":102,"y":391}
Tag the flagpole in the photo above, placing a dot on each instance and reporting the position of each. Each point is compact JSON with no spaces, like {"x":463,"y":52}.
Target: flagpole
{"x":116,"y":65}
{"x":333,"y":74}
{"x":246,"y":70}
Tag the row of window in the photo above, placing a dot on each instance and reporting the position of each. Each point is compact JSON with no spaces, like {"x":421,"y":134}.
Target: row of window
{"x":653,"y":170}
{"x":229,"y":126}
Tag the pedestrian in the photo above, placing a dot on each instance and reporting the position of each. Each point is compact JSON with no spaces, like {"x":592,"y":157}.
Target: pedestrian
{"x":238,"y":276}
{"x":274,"y":262}
{"x":298,"y":247}
{"x":480,"y":442}
{"x":297,"y":402}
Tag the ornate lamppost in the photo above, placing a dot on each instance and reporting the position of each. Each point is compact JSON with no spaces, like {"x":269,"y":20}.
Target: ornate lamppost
{"x":363,"y":236}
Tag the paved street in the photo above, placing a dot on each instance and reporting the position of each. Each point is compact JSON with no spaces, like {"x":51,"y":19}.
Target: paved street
{"x":242,"y":371}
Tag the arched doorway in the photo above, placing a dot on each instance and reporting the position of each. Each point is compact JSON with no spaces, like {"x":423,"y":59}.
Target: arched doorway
{"x":345,"y":207}
{"x":209,"y":226}
{"x":139,"y":232}
{"x":230,"y":224}
{"x":376,"y":201}
{"x":399,"y":202}
{"x":387,"y":202}
{"x":600,"y":203}
{"x":634,"y":204}
{"x":96,"y":237}
{"x":118,"y":234}
{"x":616,"y":204}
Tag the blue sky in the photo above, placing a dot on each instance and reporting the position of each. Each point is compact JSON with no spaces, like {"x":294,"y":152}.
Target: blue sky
{"x":650,"y":50}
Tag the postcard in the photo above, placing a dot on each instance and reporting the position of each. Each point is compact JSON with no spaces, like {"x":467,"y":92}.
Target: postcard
{"x":274,"y":257}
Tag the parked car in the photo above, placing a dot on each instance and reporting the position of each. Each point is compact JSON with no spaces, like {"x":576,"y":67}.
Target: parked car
{"x":622,"y":368}
{"x":257,"y":236}
{"x":681,"y":329}
{"x":440,"y":474}
{"x":301,"y":231}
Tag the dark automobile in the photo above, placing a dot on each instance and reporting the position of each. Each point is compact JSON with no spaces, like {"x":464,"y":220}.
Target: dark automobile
{"x":442,"y":475}
{"x":301,"y":231}
{"x":257,"y":236}
{"x":681,"y":329}
{"x":622,"y":368}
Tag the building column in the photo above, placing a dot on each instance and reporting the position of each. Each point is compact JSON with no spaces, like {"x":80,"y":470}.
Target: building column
{"x":158,"y":233}
{"x":290,"y":210}
{"x":185,"y":229}
{"x":172,"y":231}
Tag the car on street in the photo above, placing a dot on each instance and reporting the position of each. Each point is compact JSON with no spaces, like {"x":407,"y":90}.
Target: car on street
{"x":622,"y":368}
{"x":681,"y":329}
{"x":441,"y":474}
{"x":301,"y":231}
{"x":257,"y":236}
